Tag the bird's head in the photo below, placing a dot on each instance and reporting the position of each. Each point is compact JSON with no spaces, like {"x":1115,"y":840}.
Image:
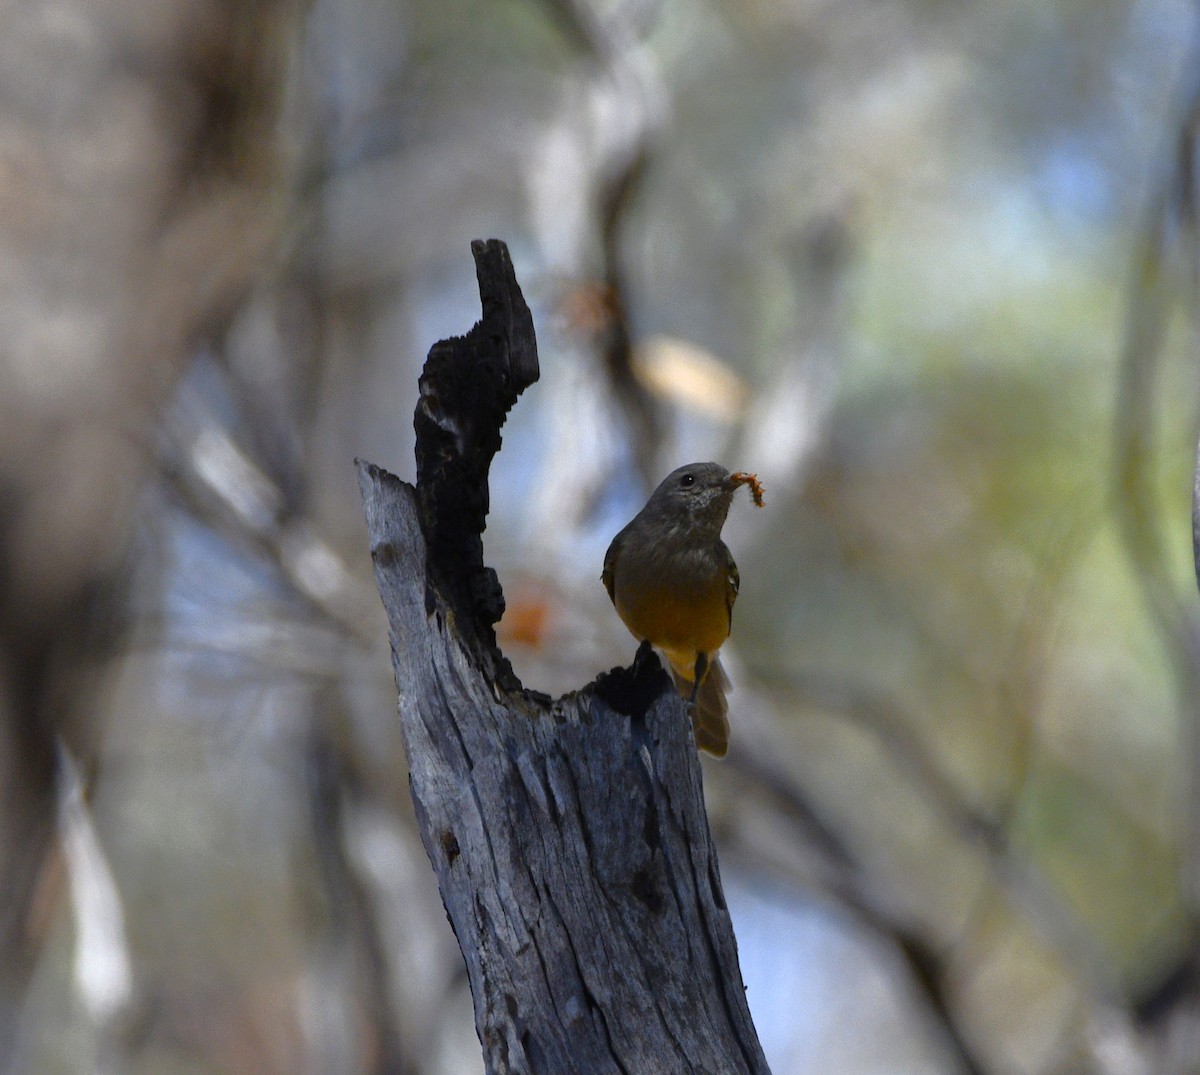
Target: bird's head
{"x":699,"y":493}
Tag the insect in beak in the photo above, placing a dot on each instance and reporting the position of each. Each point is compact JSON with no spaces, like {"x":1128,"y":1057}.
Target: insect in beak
{"x":742,"y":477}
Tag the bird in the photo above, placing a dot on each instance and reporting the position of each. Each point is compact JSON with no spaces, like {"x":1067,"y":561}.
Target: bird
{"x":673,"y":582}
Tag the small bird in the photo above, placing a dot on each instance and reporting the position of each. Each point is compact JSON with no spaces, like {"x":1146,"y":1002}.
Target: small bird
{"x":673,"y":582}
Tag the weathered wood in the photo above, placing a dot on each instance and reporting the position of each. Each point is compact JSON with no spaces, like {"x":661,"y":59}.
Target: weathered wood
{"x":569,"y":837}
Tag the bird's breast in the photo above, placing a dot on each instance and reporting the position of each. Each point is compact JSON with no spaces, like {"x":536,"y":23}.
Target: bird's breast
{"x":678,"y":606}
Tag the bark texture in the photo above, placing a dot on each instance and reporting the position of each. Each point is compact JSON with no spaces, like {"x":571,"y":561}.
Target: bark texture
{"x":568,"y":836}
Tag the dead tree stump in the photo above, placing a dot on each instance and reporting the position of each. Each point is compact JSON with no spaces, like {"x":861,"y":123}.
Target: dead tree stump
{"x":568,"y":836}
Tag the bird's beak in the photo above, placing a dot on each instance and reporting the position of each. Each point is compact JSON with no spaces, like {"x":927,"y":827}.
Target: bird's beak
{"x":743,"y":477}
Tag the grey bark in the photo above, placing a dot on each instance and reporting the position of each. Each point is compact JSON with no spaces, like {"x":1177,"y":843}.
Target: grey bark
{"x":568,"y":836}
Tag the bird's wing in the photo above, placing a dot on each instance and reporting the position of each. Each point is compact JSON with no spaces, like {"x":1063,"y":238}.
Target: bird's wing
{"x":607,"y":576}
{"x":733,"y":582}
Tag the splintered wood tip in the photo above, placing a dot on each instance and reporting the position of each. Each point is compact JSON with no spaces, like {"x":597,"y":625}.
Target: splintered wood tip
{"x":743,"y":477}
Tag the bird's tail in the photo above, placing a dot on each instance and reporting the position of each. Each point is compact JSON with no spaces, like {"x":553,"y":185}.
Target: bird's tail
{"x":710,"y":714}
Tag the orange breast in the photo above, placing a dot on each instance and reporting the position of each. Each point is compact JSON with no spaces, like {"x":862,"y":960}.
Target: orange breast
{"x":682,"y":620}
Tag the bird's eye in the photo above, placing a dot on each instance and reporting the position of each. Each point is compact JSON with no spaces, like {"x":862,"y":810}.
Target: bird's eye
{"x":688,"y":480}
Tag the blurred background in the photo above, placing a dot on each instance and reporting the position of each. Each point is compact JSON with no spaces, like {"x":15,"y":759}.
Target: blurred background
{"x":928,"y":268}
